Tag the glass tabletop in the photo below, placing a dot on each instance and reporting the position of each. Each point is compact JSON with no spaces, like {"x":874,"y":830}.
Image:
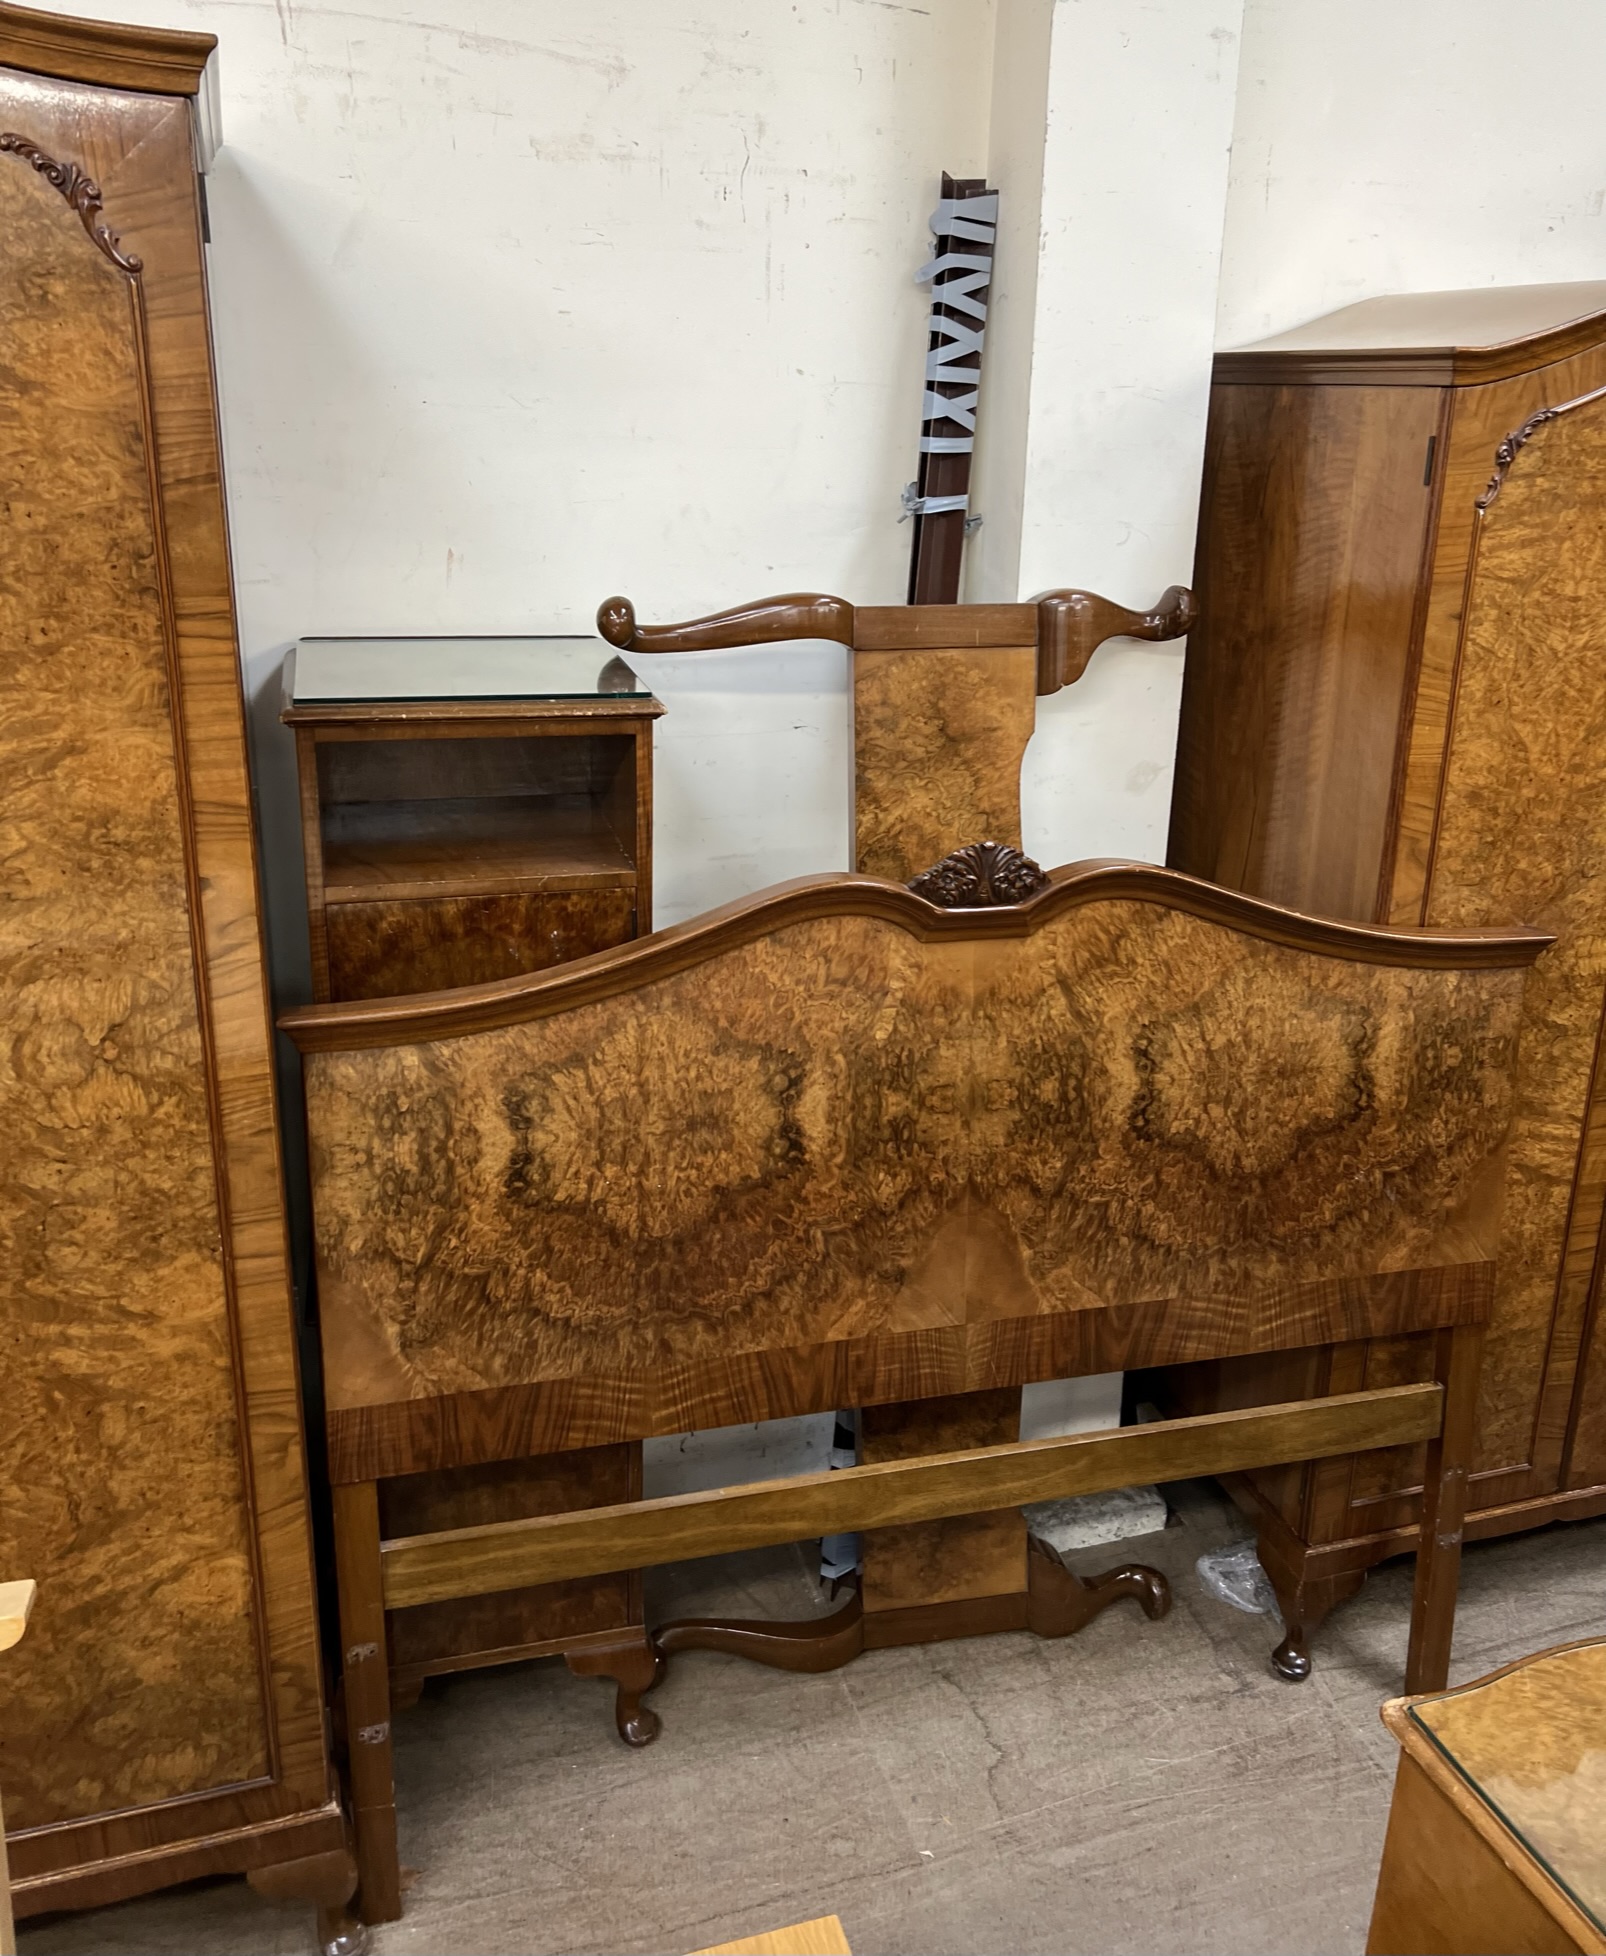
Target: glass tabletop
{"x":579,"y":668}
{"x":1533,"y":1744}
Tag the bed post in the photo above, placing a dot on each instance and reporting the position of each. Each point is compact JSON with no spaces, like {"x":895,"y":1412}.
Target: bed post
{"x":1456,"y":1356}
{"x":365,"y":1674}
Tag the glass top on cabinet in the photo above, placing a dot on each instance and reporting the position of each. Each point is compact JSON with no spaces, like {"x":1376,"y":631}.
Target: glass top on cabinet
{"x":331,"y":670}
{"x":1532,"y":1743}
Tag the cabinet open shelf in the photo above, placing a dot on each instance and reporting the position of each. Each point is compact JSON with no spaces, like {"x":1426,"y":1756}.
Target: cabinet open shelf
{"x":502,"y":845}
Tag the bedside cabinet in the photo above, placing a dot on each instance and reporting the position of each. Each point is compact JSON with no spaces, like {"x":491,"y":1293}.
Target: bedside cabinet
{"x":472,"y":808}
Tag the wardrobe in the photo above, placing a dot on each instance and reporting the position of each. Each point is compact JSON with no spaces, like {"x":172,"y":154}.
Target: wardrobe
{"x":1394,"y":710}
{"x":164,"y":1718}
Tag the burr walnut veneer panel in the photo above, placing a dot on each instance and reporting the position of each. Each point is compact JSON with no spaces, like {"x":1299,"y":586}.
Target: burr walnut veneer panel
{"x":853,"y":1125}
{"x":164,"y":1717}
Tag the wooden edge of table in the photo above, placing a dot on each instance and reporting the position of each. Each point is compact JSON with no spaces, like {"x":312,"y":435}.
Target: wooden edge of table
{"x":1430,"y":1759}
{"x":640,"y":1534}
{"x":823,"y":1936}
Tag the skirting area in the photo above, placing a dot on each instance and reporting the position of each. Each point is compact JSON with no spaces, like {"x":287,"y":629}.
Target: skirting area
{"x":1139,"y":1787}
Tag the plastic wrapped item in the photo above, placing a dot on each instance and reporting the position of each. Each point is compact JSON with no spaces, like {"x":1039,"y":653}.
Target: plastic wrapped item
{"x":1233,"y":1575}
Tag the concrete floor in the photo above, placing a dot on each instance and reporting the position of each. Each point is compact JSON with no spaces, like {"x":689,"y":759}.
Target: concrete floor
{"x":1141,"y":1787}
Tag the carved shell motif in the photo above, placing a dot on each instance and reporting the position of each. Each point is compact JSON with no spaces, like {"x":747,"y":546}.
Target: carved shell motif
{"x":81,"y":192}
{"x":979,"y":874}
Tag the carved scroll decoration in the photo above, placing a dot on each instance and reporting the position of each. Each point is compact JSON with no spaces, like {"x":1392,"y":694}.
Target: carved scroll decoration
{"x":1517,"y":440}
{"x":1508,"y":451}
{"x":982,"y":873}
{"x":80,"y":191}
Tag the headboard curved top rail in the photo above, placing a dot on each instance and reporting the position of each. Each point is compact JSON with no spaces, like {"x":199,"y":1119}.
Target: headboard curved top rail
{"x":429,"y":1016}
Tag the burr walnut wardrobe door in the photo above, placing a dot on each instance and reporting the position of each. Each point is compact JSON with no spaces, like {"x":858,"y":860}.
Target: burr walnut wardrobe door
{"x":164,"y":1717}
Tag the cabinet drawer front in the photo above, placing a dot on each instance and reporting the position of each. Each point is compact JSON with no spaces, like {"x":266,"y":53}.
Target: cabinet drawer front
{"x":383,"y":950}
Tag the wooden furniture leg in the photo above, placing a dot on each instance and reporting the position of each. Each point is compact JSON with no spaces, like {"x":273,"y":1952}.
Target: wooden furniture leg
{"x":364,"y":1671}
{"x":328,"y":1882}
{"x":1304,"y":1600}
{"x":1456,"y":1358}
{"x":1059,"y":1602}
{"x":1054,"y":1603}
{"x":816,"y":1644}
{"x":635,"y":1665}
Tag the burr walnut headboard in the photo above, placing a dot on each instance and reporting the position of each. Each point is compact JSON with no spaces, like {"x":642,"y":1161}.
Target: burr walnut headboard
{"x":836,"y":1144}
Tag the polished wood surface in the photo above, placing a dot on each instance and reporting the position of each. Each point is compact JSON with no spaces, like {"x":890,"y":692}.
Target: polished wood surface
{"x":1050,"y":1601}
{"x":453,"y":843}
{"x":1530,"y":1739}
{"x":1444,"y":1507}
{"x":495,"y":1629}
{"x":944,"y":699}
{"x":1453,"y":1883}
{"x":822,"y":1937}
{"x":1516,"y":838}
{"x":920,"y":1487}
{"x":839,"y":1124}
{"x":112,"y":1077}
{"x":827,"y":1089}
{"x":976,"y":1554}
{"x":1072,"y":625}
{"x":356,"y":1026}
{"x":163,"y":61}
{"x":1500,"y":1785}
{"x":503,"y":1423}
{"x":470,"y":845}
{"x":939,"y":735}
{"x":1435,"y":339}
{"x":365,"y":1691}
{"x":381,"y":950}
{"x":1068,"y":626}
{"x":767,"y":621}
{"x":1314,"y":520}
{"x":1430,"y":755}
{"x":157,"y":1310}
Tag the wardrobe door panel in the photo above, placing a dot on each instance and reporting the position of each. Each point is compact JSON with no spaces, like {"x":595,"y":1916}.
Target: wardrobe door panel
{"x":1522,"y":837}
{"x":164,"y":1717}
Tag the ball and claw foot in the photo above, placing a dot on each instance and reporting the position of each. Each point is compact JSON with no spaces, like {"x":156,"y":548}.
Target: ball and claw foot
{"x":1291,"y":1659}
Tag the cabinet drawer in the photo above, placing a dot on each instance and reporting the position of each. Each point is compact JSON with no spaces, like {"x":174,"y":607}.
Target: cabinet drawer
{"x":382,"y":950}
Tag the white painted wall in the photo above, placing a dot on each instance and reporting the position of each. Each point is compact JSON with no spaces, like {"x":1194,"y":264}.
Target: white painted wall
{"x":519,"y":303}
{"x":1139,"y":124}
{"x":1017,"y":130}
{"x":1383,"y":147}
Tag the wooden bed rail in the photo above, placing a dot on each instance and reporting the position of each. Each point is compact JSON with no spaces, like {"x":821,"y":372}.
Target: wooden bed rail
{"x":638,"y":1534}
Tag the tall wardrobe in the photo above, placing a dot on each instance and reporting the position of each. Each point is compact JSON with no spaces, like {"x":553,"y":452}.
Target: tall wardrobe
{"x":163,"y":1718}
{"x":1394,"y":710}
